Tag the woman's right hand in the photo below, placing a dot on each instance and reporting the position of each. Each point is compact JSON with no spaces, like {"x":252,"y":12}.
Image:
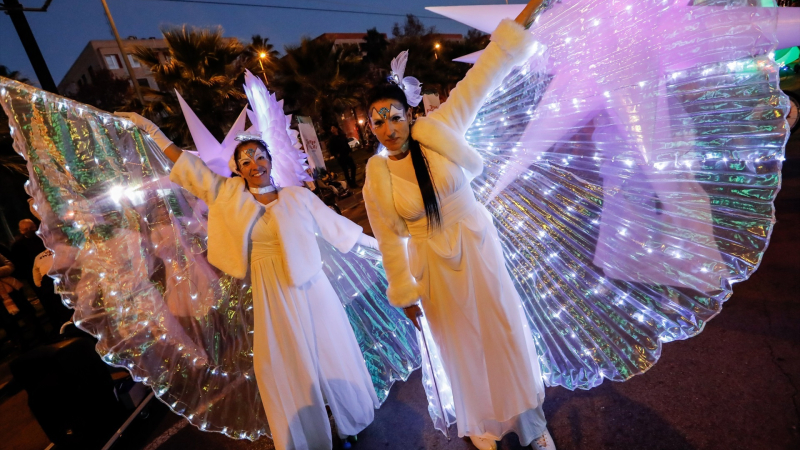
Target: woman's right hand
{"x":164,"y":143}
{"x":413,"y":312}
{"x":525,"y":18}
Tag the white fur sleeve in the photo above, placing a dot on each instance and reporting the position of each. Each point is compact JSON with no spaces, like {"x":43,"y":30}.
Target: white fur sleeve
{"x":340,"y":231}
{"x":511,"y":45}
{"x":403,"y":290}
{"x":191,"y":173}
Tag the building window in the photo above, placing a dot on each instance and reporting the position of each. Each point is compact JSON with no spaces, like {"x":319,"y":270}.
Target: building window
{"x":133,"y":60}
{"x":112,"y":61}
{"x":143,"y":82}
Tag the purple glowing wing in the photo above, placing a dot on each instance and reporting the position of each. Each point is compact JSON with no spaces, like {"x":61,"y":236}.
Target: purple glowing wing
{"x":631,"y":168}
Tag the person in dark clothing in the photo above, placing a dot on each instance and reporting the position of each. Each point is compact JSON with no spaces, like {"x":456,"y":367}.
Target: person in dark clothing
{"x":25,"y":250}
{"x":340,"y":149}
{"x":14,"y":305}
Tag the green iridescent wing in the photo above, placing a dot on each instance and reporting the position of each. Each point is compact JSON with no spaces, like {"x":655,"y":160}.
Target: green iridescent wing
{"x":130,"y":260}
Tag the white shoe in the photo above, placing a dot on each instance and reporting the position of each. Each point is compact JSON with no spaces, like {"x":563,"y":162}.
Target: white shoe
{"x":483,"y":443}
{"x":544,"y":442}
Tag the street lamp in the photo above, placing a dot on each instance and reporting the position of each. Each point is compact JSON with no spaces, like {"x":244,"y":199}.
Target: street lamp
{"x":261,"y":57}
{"x":436,"y":48}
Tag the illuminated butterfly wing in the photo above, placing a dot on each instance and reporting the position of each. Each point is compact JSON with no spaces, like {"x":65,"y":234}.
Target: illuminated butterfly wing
{"x":386,"y":338}
{"x":631,"y":168}
{"x":131,"y":248}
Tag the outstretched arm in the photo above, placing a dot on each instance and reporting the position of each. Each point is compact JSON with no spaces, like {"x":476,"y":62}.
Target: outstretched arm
{"x":170,"y":150}
{"x":191,"y":173}
{"x":340,"y":231}
{"x":511,"y":45}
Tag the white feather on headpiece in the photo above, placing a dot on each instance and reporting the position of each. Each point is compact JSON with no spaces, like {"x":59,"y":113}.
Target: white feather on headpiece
{"x":270,"y":125}
{"x":266,"y":114}
{"x":410,"y":85}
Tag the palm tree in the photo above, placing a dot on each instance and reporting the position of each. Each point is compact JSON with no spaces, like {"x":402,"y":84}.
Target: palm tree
{"x":432,"y":66}
{"x":13,"y":74}
{"x":319,"y":79}
{"x":204,"y":67}
{"x":260,"y":56}
{"x":374,"y":46}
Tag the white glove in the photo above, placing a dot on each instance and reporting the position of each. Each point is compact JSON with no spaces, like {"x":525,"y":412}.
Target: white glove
{"x":148,"y":127}
{"x":367,"y":241}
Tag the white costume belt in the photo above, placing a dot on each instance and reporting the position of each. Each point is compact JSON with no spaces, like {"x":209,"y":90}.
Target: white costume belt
{"x":263,"y":250}
{"x":452,"y":210}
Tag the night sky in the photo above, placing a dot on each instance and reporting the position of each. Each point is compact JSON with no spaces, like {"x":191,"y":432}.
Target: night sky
{"x":63,"y":31}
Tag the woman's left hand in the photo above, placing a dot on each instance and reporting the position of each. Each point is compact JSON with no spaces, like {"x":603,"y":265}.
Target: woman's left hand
{"x":367,"y":241}
{"x":413,"y":312}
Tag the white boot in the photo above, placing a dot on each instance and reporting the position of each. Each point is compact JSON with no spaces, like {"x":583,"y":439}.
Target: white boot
{"x":483,"y":443}
{"x":544,"y":442}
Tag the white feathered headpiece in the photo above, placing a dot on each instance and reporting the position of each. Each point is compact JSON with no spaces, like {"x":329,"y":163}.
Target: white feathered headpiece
{"x":410,"y":85}
{"x":270,"y":125}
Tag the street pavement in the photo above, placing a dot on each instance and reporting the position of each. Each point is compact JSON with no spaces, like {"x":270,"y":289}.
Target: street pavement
{"x":735,"y":386}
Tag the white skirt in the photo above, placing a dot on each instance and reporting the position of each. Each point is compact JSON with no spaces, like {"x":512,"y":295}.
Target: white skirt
{"x":305,"y":355}
{"x":476,"y":320}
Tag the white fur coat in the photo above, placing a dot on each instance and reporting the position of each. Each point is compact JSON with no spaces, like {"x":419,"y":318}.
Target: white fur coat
{"x":232,"y":212}
{"x":442,"y":132}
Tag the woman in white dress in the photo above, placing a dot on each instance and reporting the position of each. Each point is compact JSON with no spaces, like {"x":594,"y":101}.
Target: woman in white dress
{"x":441,"y":248}
{"x":304,"y":351}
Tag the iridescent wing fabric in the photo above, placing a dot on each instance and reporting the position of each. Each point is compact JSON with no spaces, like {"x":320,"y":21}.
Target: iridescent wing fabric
{"x":387,"y":339}
{"x":631,"y":167}
{"x":131,"y":261}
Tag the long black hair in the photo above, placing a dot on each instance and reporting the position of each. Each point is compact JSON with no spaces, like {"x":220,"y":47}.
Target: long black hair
{"x":389,"y":91}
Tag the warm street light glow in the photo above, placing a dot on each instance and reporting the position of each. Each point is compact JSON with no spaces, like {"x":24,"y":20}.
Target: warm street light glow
{"x":436,"y":46}
{"x":361,"y":121}
{"x":262,"y":55}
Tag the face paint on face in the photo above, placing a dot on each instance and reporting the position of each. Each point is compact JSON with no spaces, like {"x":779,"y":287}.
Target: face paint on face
{"x":378,"y":115}
{"x":390,"y":123}
{"x":397,"y":114}
{"x":251,"y":156}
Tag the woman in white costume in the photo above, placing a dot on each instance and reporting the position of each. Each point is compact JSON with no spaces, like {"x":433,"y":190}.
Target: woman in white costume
{"x":441,"y":248}
{"x":304,"y":351}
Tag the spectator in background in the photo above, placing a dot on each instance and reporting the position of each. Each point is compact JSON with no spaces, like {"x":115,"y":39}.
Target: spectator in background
{"x":24,"y":253}
{"x":340,"y":149}
{"x":15,"y":306}
{"x":45,"y":290}
{"x":25,"y":250}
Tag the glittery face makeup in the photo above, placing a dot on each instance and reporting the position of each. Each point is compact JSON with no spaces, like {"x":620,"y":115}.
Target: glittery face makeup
{"x":378,"y":115}
{"x":390,"y":123}
{"x":251,"y":156}
{"x":387,"y":114}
